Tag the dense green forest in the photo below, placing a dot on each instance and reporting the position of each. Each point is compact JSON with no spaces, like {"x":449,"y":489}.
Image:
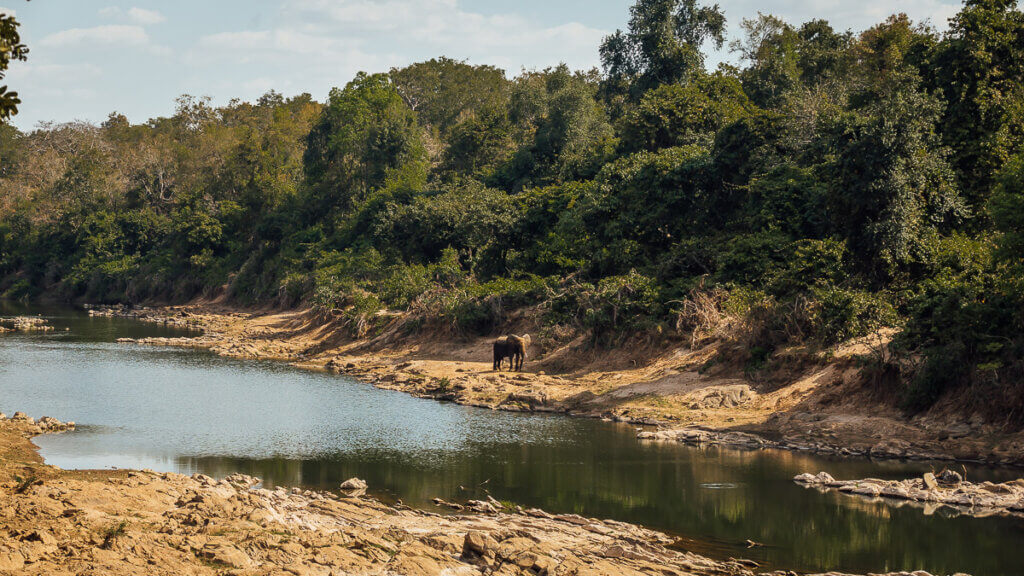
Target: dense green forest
{"x":830,"y":185}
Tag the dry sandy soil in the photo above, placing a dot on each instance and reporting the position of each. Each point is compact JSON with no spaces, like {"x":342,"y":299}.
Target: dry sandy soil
{"x":815,"y":406}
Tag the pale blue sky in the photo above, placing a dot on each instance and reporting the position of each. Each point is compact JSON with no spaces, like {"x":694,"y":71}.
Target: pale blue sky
{"x":91,"y":57}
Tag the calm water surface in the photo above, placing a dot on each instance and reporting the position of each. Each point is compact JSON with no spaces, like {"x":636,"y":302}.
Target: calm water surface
{"x":186,"y":411}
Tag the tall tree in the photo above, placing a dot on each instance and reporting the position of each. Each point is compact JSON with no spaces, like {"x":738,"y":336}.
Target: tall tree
{"x":565,"y":131}
{"x":441,"y":91}
{"x":365,"y":135}
{"x":979,"y":67}
{"x":11,"y":49}
{"x":893,"y":185}
{"x":662,"y":45}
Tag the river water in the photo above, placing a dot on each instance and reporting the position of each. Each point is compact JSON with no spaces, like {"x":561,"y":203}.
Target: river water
{"x":186,"y":411}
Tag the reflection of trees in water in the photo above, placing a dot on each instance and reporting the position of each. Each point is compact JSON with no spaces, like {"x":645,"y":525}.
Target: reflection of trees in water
{"x":666,"y":486}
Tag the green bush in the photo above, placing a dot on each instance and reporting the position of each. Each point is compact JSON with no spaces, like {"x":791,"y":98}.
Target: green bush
{"x":847,"y":314}
{"x":961,"y":325}
{"x":616,"y":305}
{"x":810,"y":263}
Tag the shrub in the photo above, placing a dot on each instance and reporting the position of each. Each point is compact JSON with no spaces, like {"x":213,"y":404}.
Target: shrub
{"x":293,"y":288}
{"x":616,"y":305}
{"x":403,"y":283}
{"x":960,"y":326}
{"x":810,"y":263}
{"x":456,"y":310}
{"x":847,"y":314}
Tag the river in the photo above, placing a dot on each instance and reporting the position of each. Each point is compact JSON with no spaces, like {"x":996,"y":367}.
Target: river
{"x":187,"y":411}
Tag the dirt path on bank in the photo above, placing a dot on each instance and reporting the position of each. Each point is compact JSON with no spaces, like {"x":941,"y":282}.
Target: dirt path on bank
{"x":822,"y":407}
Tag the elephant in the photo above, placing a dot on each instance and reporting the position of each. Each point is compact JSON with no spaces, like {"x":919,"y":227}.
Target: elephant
{"x":512,"y":347}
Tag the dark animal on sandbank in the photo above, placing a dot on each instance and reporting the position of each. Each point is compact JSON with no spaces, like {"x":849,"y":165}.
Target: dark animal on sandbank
{"x":512,"y":347}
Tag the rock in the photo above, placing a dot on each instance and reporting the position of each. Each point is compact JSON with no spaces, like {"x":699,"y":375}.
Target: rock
{"x":930,"y":483}
{"x":867,"y":490}
{"x":481,"y":507}
{"x":530,"y":398}
{"x":353,"y":484}
{"x":227,"y":555}
{"x":544,"y":565}
{"x":478,"y":543}
{"x":950,"y":478}
{"x":615,"y":551}
{"x":537,"y":513}
{"x":722,"y":397}
{"x":41,"y":536}
{"x":242,"y":481}
{"x":452,"y":505}
{"x":11,"y":562}
{"x":997,"y":488}
{"x":819,"y":478}
{"x":959,"y":430}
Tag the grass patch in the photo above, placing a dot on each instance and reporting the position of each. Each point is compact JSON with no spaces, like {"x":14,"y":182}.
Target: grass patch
{"x":111,"y":534}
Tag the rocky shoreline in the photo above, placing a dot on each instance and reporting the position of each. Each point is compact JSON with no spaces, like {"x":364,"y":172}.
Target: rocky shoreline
{"x":883,"y":450}
{"x":32,"y":427}
{"x":947,"y":489}
{"x":143,"y":522}
{"x":24,"y":324}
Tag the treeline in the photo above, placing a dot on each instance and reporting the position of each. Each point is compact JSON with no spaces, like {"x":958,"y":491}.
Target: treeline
{"x":833,"y":185}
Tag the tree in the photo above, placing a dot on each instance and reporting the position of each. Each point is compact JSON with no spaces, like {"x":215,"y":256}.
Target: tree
{"x":478,"y":144}
{"x":891,"y":182}
{"x":782,"y":58}
{"x":466,"y":218}
{"x":892,"y":185}
{"x":770,"y":48}
{"x":11,"y":49}
{"x":566,"y":131}
{"x":662,"y":45}
{"x":365,"y":135}
{"x":442,"y":91}
{"x":677,"y":115}
{"x":979,"y":68}
{"x":1007,"y":210}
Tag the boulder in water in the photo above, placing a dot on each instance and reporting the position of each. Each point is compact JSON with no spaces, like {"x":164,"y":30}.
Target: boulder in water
{"x":353,"y":487}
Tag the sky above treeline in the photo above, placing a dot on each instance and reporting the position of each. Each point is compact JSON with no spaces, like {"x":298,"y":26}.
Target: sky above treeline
{"x":91,"y":57}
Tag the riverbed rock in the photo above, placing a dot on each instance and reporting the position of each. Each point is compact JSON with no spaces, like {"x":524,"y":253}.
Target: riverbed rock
{"x":717,"y":397}
{"x":478,"y":543}
{"x":353,"y":488}
{"x":982,"y":499}
{"x":950,"y":478}
{"x":354,"y":484}
{"x":228,"y":556}
{"x":481,"y":507}
{"x":700,"y":436}
{"x":25,"y":324}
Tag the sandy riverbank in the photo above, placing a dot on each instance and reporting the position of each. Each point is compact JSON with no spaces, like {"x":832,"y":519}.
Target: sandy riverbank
{"x":821,"y":407}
